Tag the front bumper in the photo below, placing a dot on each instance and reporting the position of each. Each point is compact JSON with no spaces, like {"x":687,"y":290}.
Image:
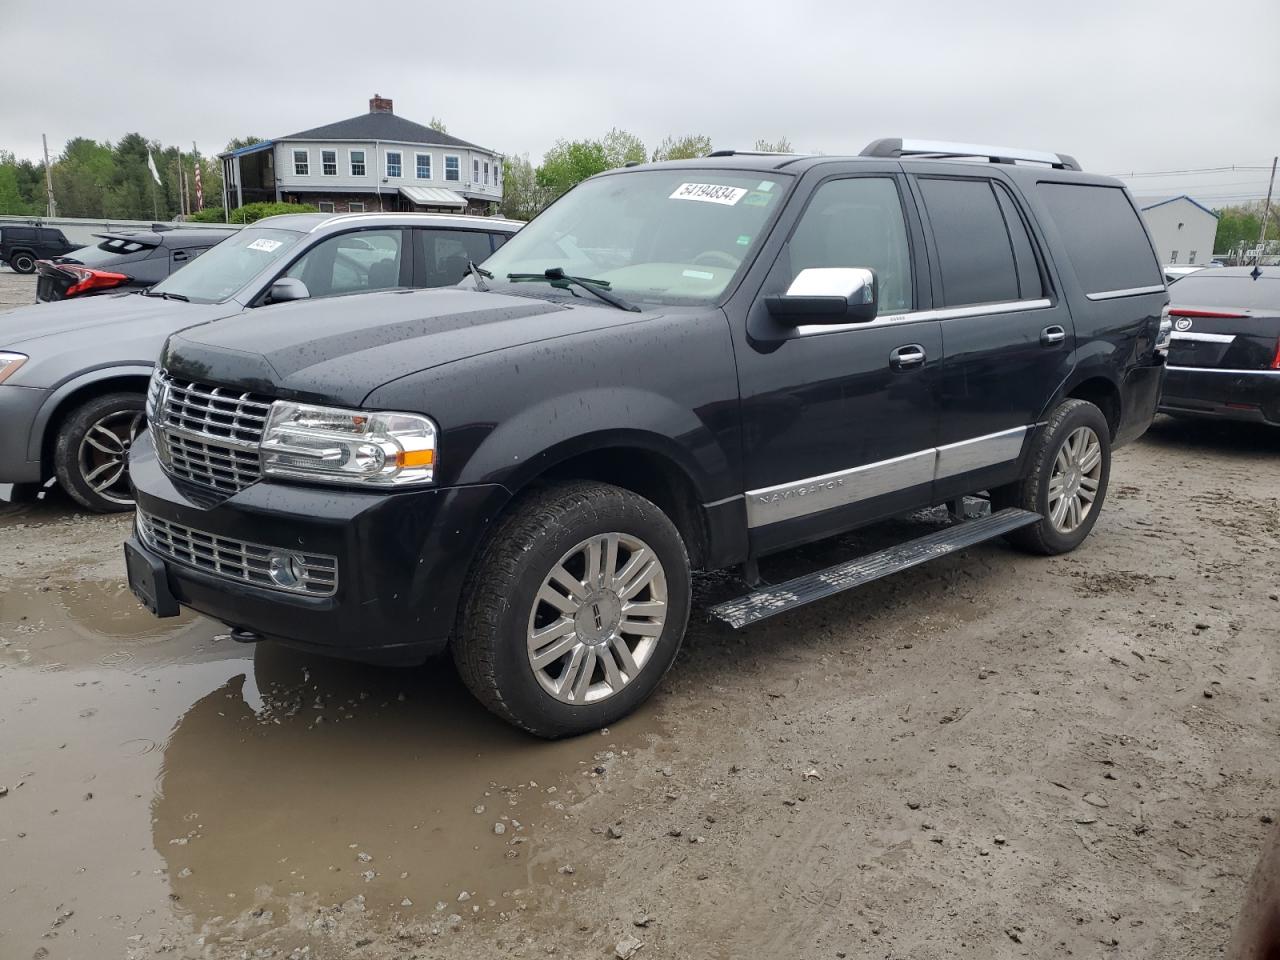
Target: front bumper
{"x":1249,"y":395}
{"x":18,"y":409}
{"x":401,"y":556}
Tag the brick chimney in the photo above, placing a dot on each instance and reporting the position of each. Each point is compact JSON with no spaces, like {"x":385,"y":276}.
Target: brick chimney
{"x":380,"y":104}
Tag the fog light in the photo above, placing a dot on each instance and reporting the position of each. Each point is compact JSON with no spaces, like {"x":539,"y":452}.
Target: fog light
{"x":285,"y":569}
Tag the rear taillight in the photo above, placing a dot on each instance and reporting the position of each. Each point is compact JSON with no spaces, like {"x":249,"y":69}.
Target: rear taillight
{"x":1275,"y":361}
{"x":1183,"y":312}
{"x":1165,"y":334}
{"x":86,"y":279}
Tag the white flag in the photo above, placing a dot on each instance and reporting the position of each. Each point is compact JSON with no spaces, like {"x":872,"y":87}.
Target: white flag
{"x":151,"y":165}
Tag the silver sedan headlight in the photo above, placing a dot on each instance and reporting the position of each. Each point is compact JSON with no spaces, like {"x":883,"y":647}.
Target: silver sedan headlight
{"x":9,"y":364}
{"x":352,"y":447}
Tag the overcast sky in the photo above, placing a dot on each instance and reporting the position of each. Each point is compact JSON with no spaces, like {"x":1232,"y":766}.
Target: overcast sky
{"x":1123,"y":86}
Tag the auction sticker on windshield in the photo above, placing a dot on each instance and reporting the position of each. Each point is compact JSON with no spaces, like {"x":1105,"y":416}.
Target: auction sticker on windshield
{"x":265,"y":245}
{"x":709,"y":193}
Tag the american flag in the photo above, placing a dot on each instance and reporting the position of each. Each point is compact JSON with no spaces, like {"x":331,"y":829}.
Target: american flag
{"x":199,"y":187}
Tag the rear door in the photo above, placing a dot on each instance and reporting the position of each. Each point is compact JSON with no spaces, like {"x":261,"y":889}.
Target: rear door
{"x":440,"y":256}
{"x":839,"y":422}
{"x":1007,"y":339}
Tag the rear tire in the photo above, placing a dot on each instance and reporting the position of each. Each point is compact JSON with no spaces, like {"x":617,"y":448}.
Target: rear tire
{"x":22,"y":262}
{"x":558,"y":634}
{"x":91,"y":455}
{"x":1070,"y":470}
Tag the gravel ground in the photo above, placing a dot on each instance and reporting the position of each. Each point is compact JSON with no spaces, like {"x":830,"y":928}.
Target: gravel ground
{"x":993,"y":756}
{"x":16,"y":289}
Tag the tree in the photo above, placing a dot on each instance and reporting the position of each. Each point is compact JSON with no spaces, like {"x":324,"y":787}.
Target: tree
{"x":621,"y":148}
{"x":437,"y":125}
{"x":568,"y":163}
{"x":13,"y":199}
{"x":1241,"y":223}
{"x":82,"y":176}
{"x":783,"y":145}
{"x":240,"y":142}
{"x":523,"y":197}
{"x":683,"y":148}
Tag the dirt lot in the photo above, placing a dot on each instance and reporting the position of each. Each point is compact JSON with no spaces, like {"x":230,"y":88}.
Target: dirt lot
{"x":991,"y":756}
{"x":16,"y":289}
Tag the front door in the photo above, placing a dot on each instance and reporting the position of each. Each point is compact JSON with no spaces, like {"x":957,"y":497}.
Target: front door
{"x":840,"y":422}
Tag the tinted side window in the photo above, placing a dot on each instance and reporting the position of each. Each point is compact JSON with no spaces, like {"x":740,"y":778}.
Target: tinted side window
{"x":444,"y":254}
{"x":857,"y":223}
{"x":350,"y":263}
{"x":1105,"y":242}
{"x":975,"y":255}
{"x":1030,"y":286}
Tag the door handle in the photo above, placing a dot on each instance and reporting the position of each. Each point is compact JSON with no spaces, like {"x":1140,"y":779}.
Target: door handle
{"x":1052,"y":335}
{"x":907,"y":357}
{"x":179,"y":256}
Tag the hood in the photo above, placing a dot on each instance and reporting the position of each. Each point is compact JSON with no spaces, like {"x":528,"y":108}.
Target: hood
{"x":69,"y":337}
{"x":341,"y":349}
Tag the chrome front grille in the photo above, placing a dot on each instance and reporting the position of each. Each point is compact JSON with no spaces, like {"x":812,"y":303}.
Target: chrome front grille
{"x":314,"y":574}
{"x":207,"y":435}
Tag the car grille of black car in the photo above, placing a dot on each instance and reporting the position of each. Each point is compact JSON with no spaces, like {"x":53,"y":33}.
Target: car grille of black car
{"x":208,"y":436}
{"x":312,"y":574}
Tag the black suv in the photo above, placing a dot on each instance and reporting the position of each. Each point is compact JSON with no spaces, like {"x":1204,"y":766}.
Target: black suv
{"x":680,"y":365}
{"x":21,"y":247}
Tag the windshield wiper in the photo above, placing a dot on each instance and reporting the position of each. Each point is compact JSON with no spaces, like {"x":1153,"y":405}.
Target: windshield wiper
{"x":479,"y":274}
{"x":558,"y":278}
{"x":166,"y":295}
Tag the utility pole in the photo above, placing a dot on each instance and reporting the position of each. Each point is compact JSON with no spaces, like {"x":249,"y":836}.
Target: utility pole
{"x":1266,"y":211}
{"x":48,"y":178}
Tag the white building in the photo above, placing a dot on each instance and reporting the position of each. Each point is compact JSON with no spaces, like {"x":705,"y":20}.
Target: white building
{"x":1182,"y":229}
{"x":375,"y":161}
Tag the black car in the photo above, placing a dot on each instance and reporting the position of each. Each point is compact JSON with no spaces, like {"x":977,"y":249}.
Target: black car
{"x":21,"y":247}
{"x":681,"y":365}
{"x":120,"y":261}
{"x":1224,"y":358}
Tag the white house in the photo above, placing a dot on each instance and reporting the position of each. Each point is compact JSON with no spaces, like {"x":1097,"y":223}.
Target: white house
{"x":374,"y":161}
{"x":1182,"y":229}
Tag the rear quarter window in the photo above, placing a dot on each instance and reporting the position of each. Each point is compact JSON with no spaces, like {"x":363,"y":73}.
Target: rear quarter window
{"x":1103,"y":235}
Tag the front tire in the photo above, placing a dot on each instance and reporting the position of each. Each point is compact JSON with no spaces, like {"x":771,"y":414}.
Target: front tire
{"x":91,"y":455}
{"x":1070,"y":470}
{"x":22,"y":262}
{"x":575,"y":609}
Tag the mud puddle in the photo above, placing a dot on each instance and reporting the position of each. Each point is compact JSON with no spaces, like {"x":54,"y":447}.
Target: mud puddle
{"x":164,"y":780}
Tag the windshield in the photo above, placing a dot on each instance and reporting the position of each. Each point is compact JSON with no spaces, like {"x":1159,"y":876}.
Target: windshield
{"x":1209,"y":288}
{"x":229,"y":265}
{"x":671,"y":236}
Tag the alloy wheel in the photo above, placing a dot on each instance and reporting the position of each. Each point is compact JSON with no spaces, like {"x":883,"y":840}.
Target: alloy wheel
{"x":597,"y":618}
{"x":1073,"y":485}
{"x":104,"y":454}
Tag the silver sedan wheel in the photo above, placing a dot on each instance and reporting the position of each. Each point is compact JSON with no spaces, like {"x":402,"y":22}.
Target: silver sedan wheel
{"x":597,"y":618}
{"x":1073,"y":485}
{"x":104,"y":454}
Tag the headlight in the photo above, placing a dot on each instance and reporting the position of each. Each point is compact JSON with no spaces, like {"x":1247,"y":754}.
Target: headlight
{"x":333,"y":445}
{"x":9,"y":364}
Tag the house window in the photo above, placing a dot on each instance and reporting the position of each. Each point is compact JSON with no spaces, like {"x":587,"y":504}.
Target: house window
{"x":453,"y":168}
{"x":1191,"y":257}
{"x":329,"y":163}
{"x":325,"y":206}
{"x":497,"y":173}
{"x":486,"y":173}
{"x":1174,"y":257}
{"x":301,"y":163}
{"x":356,"y":206}
{"x":424,"y":166}
{"x":475,"y":171}
{"x":357,"y":163}
{"x":393,"y":163}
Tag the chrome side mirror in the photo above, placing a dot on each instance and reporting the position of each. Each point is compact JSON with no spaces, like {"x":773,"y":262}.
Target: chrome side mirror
{"x":286,"y":289}
{"x":827,"y":295}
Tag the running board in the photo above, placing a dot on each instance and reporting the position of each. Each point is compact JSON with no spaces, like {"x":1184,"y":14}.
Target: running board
{"x":766,"y":602}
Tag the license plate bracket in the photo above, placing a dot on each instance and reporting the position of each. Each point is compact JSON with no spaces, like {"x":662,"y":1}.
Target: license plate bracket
{"x":148,"y":580}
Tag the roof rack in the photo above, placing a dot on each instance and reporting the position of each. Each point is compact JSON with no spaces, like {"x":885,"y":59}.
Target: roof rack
{"x":748,"y":153}
{"x":937,"y":149}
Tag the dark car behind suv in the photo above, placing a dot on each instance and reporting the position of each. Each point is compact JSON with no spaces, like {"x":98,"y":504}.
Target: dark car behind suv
{"x":123,"y":261}
{"x":691,"y":364}
{"x":21,"y":247}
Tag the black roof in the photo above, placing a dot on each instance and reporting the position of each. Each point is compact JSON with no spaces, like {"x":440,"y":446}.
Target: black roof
{"x":381,"y":126}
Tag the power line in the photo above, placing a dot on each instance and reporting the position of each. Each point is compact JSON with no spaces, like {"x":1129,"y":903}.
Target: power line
{"x":1175,"y":173}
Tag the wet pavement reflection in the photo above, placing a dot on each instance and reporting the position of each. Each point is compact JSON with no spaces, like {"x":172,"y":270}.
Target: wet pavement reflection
{"x":163,"y":779}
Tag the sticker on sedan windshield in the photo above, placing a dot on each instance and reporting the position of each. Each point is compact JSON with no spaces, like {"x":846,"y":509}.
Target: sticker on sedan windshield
{"x":265,"y":245}
{"x":709,"y":193}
